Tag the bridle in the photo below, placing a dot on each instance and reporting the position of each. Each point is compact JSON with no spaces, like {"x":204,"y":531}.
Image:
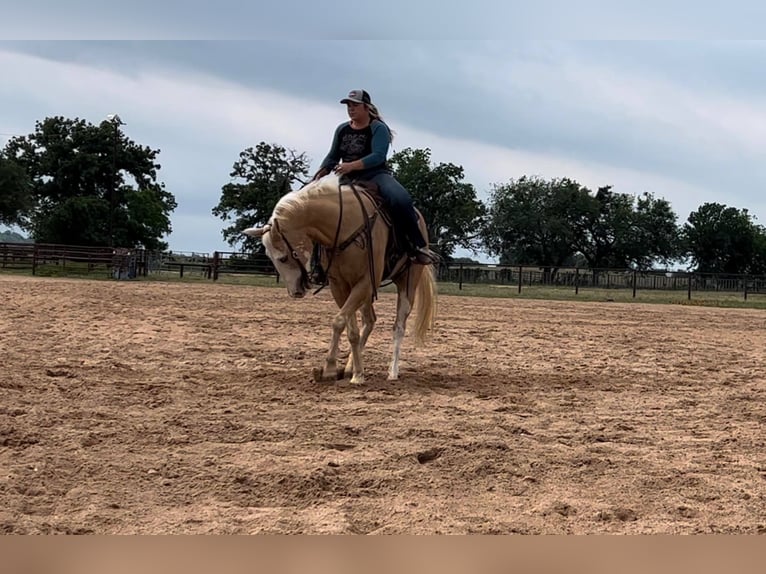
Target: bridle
{"x":293,"y":253}
{"x":365,"y":230}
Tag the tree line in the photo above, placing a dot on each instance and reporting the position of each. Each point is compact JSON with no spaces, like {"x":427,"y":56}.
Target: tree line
{"x":77,"y":183}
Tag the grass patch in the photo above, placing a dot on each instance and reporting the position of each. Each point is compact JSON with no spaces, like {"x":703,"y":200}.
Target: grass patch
{"x":674,"y":297}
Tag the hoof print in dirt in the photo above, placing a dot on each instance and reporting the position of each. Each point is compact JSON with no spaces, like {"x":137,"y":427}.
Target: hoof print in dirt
{"x":620,"y":514}
{"x":338,"y":446}
{"x":429,"y":455}
{"x":60,"y":373}
{"x":563,"y":509}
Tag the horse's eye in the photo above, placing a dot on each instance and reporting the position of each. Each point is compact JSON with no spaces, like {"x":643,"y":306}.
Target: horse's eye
{"x":295,"y":255}
{"x":283,"y":259}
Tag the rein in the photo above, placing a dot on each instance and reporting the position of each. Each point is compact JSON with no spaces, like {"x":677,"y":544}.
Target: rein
{"x":331,"y":256}
{"x":365,"y":228}
{"x":368,"y":233}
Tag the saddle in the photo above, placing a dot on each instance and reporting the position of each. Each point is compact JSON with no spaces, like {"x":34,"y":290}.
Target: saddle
{"x":395,"y":258}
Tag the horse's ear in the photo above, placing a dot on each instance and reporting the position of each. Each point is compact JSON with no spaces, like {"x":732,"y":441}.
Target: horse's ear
{"x":257,"y":231}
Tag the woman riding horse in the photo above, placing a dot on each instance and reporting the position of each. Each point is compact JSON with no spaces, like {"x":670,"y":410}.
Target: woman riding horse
{"x":358,"y":152}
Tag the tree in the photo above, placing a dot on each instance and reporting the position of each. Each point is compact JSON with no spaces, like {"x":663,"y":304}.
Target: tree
{"x":655,"y":233}
{"x":758,"y":263}
{"x":266,"y":173}
{"x":530,"y":221}
{"x":15,"y":193}
{"x":452,"y":212}
{"x":91,"y":185}
{"x":620,"y":230}
{"x":721,"y":239}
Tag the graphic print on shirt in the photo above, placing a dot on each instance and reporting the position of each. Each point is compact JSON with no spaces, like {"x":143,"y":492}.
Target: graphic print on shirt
{"x":353,"y":145}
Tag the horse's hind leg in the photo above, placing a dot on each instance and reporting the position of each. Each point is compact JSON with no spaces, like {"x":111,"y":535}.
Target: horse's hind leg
{"x":368,"y":323}
{"x":405,"y":299}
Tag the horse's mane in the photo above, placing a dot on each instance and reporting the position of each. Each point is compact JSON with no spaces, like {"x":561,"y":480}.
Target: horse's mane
{"x":294,"y":201}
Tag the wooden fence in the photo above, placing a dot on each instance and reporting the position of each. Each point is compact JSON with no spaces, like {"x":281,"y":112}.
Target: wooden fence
{"x":123,"y":263}
{"x":45,"y":258}
{"x":578,"y":278}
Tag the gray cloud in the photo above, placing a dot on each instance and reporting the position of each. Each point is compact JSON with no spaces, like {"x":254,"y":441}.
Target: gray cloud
{"x":396,"y":20}
{"x":687,"y":112}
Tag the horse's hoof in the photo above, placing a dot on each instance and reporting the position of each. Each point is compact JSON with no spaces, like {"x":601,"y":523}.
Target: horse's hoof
{"x":340,"y":375}
{"x":357,"y":380}
{"x":321,"y":377}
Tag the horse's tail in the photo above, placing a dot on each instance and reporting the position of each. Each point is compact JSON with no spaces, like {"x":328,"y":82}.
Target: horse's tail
{"x":425,"y":300}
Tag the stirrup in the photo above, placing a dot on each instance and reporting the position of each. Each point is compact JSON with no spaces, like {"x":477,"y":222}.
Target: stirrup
{"x":424,"y":256}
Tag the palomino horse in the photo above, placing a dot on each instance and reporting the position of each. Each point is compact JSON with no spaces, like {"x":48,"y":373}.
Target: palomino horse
{"x":347,"y":220}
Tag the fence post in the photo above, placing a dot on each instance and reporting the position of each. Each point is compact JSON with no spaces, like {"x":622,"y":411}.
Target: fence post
{"x":215,"y":265}
{"x":577,"y":280}
{"x":34,"y":259}
{"x":689,"y":288}
{"x":746,"y":287}
{"x":634,"y":283}
{"x":520,"y":270}
{"x":460,"y":278}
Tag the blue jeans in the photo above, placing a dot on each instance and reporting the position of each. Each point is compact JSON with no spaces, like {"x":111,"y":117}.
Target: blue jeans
{"x":399,"y":203}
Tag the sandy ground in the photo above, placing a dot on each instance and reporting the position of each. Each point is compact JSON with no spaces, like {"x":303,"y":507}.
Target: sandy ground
{"x":134,"y":407}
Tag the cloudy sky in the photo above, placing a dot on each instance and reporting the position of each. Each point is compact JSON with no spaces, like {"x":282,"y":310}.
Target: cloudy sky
{"x":683,"y":119}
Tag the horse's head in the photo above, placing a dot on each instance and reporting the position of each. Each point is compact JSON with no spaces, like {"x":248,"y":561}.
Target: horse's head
{"x":288,"y":254}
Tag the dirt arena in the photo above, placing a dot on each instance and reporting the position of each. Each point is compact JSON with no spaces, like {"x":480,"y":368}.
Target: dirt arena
{"x":147,"y":407}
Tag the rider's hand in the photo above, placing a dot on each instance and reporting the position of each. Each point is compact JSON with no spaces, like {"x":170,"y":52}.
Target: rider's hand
{"x":344,"y":168}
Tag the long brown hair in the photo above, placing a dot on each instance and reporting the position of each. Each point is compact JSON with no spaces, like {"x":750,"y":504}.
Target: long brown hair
{"x":375,"y":115}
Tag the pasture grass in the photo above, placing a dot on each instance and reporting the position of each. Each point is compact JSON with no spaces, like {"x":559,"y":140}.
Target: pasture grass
{"x":665,"y":297}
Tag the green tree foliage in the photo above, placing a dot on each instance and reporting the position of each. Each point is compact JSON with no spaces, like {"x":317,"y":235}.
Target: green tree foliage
{"x":91,"y":185}
{"x":530,"y":221}
{"x":265,"y":174}
{"x":619,"y":230}
{"x":655,"y":232}
{"x":722,"y":239}
{"x":758,"y":263}
{"x":15,"y":192}
{"x":449,"y":205}
{"x":558,"y":222}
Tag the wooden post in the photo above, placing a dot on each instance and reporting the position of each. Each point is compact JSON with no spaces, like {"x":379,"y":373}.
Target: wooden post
{"x":181,"y":271}
{"x":215,"y":265}
{"x":689,"y":287}
{"x":34,"y":259}
{"x":460,"y":277}
{"x":520,"y":271}
{"x":745,"y":287}
{"x":634,"y":283}
{"x":577,"y":280}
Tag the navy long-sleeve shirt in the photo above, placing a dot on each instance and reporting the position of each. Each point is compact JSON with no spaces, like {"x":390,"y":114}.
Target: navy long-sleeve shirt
{"x":370,"y":145}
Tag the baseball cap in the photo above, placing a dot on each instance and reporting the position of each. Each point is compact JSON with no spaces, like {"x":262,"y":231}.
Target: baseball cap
{"x":358,"y":97}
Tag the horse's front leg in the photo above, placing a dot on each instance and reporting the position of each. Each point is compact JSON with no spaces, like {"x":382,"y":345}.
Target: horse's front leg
{"x":330,"y":370}
{"x":368,"y":323}
{"x":360,"y":293}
